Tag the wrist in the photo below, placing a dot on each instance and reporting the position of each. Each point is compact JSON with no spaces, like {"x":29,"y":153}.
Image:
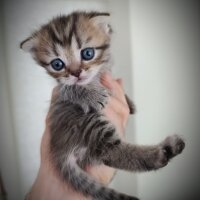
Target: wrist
{"x":46,"y":186}
{"x":49,"y":186}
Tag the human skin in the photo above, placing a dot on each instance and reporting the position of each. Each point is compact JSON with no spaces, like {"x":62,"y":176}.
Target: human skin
{"x":48,"y":185}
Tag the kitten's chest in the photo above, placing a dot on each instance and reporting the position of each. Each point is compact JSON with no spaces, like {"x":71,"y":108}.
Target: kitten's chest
{"x":93,"y":96}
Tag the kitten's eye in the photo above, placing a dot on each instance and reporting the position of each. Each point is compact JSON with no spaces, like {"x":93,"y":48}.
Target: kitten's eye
{"x":87,"y":54}
{"x":57,"y":64}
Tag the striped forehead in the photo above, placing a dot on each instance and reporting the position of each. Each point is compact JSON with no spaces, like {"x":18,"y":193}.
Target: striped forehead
{"x":63,"y":29}
{"x":68,"y":54}
{"x":75,"y":29}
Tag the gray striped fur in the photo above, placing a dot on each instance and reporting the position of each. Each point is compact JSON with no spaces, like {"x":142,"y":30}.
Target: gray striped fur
{"x":80,"y":134}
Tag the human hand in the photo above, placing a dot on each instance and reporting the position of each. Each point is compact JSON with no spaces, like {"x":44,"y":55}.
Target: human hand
{"x":48,"y":184}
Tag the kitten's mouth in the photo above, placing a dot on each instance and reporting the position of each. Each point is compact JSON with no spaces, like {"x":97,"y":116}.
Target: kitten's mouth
{"x":80,"y":79}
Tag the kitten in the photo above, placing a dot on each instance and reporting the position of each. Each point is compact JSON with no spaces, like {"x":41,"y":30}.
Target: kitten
{"x":75,"y":50}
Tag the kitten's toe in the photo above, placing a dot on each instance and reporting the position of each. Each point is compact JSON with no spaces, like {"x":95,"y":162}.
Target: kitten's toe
{"x":99,"y":106}
{"x":162,"y":159}
{"x":168,"y":153}
{"x":180,"y":146}
{"x":101,"y":101}
{"x":172,"y":146}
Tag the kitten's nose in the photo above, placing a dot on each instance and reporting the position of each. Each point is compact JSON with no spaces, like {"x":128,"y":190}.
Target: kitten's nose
{"x":76,"y":73}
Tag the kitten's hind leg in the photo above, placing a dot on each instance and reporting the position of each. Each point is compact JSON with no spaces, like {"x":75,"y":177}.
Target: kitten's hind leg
{"x":83,"y":182}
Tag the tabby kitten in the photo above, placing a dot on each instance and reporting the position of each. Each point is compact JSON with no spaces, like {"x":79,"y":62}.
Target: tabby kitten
{"x":75,"y":50}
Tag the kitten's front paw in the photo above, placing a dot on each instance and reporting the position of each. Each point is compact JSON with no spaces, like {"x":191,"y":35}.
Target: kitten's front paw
{"x":100,"y":101}
{"x":169,"y":148}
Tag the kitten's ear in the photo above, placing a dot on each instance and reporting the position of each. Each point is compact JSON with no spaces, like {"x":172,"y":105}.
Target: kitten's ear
{"x":28,"y":44}
{"x":103,"y":21}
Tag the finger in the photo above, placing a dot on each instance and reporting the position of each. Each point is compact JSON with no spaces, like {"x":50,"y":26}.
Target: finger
{"x":119,"y":106}
{"x":116,"y":118}
{"x":115,"y":86}
{"x":110,"y":83}
{"x":118,"y":90}
{"x":120,"y":82}
{"x":107,"y":81}
{"x":111,"y":114}
{"x":117,"y":114}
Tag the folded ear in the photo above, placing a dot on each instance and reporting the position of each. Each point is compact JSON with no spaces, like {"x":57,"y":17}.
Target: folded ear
{"x":28,"y":44}
{"x":102,"y":20}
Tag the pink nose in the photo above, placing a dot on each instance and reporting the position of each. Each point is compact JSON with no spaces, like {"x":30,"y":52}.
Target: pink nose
{"x":76,"y":73}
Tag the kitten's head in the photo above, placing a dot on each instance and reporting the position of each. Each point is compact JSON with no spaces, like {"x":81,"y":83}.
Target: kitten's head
{"x":72,"y":48}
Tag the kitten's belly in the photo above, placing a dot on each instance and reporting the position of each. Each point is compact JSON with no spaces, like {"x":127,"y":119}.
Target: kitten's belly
{"x":102,"y":173}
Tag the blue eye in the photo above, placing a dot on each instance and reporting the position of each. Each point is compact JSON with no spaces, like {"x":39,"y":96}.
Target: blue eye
{"x":87,"y":54}
{"x":57,"y":64}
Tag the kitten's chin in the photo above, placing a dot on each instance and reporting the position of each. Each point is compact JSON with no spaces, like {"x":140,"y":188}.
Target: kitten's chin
{"x":84,"y":79}
{"x":76,"y":81}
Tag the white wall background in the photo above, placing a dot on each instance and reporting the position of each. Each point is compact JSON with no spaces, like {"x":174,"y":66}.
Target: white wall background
{"x":166,"y":78}
{"x":156,"y":51}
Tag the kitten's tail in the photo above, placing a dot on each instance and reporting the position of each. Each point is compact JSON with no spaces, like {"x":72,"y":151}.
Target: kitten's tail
{"x":84,"y":183}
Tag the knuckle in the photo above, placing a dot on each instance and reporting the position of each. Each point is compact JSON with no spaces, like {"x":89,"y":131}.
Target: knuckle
{"x":126,"y":110}
{"x":125,"y":113}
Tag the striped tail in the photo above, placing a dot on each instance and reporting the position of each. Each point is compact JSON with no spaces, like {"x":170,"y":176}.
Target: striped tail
{"x":84,"y":183}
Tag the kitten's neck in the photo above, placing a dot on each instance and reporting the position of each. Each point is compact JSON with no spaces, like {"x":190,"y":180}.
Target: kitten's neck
{"x":74,"y":92}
